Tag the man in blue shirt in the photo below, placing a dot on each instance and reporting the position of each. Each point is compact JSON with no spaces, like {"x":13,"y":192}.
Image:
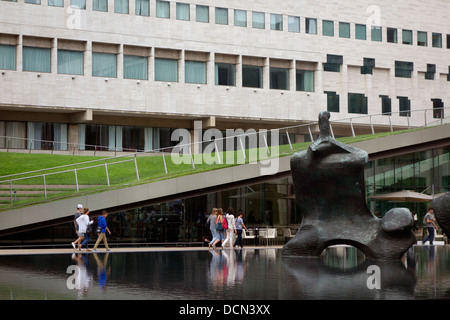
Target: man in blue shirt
{"x":239,"y":225}
{"x":103,"y":228}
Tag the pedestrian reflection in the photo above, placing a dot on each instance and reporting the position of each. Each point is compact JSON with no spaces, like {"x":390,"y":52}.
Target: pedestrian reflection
{"x":228,"y":267}
{"x":102,"y":271}
{"x":84,"y":275}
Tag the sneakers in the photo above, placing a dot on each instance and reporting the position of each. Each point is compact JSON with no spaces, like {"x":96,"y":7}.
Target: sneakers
{"x":74,"y":246}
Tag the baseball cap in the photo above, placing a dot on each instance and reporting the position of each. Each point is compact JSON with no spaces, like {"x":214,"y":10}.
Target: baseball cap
{"x":80,"y":206}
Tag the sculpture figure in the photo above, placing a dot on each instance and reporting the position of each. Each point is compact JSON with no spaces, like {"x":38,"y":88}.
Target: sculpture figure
{"x":441,"y":207}
{"x":329,"y":188}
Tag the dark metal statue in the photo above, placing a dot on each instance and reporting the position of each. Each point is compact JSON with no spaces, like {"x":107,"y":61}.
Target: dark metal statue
{"x":329,"y":188}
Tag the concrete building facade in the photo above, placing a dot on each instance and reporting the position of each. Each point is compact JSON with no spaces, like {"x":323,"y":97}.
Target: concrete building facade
{"x":122,"y":74}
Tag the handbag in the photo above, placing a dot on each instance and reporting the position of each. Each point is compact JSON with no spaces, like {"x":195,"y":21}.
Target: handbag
{"x":219,"y":226}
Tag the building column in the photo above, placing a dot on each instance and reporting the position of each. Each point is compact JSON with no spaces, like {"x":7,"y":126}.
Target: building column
{"x":88,"y":59}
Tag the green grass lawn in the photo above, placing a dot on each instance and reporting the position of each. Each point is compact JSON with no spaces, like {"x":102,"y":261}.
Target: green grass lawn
{"x":121,"y":170}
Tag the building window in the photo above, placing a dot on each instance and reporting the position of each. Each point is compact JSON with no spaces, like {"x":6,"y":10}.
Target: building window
{"x":222,"y":16}
{"x":183,"y":11}
{"x":431,"y":70}
{"x":47,"y":136}
{"x":438,"y":108}
{"x":357,"y":103}
{"x":448,"y":41}
{"x":404,"y":106}
{"x":56,"y":3}
{"x":258,"y":20}
{"x":304,"y":80}
{"x":448,"y":74}
{"x":344,"y":30}
{"x":163,"y":9}
{"x":276,"y":22}
{"x":33,"y":1}
{"x":16,"y":131}
{"x":100,"y":5}
{"x":121,"y":6}
{"x":142,"y":8}
{"x":332,"y":101}
{"x":135,"y":67}
{"x":377,"y":33}
{"x":386,"y":105}
{"x":225,"y":74}
{"x":436,"y":39}
{"x":403,"y":69}
{"x":369,"y":64}
{"x":79,"y":4}
{"x":70,"y":62}
{"x":240,"y":18}
{"x":7,"y":57}
{"x":311,"y":25}
{"x":422,"y":39}
{"x":195,"y":72}
{"x":360,"y":32}
{"x":333,"y":63}
{"x":279,"y":78}
{"x":392,"y":35}
{"x":252,"y":76}
{"x":328,"y":28}
{"x":104,"y":64}
{"x":202,"y":13}
{"x":36,"y":59}
{"x":407,"y":37}
{"x":294,"y":24}
{"x":166,"y":70}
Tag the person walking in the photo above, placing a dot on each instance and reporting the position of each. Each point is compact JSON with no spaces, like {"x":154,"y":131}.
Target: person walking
{"x":87,"y":234}
{"x":102,"y":234}
{"x":231,"y":230}
{"x":219,"y":228}
{"x":75,"y":217}
{"x":239,"y":224}
{"x":429,"y":222}
{"x":212,"y":226}
{"x":83,"y":223}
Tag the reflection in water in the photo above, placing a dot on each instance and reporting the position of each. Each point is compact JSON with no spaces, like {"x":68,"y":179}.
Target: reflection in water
{"x":341,"y":273}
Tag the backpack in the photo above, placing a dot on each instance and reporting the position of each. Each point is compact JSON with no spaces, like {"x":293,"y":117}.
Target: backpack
{"x":225,"y":224}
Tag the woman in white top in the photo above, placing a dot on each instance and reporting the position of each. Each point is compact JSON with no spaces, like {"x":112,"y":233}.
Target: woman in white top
{"x":83,"y":222}
{"x":231,"y":228}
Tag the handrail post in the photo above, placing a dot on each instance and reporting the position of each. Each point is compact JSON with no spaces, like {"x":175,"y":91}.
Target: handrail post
{"x":107,"y":174}
{"x":164,"y":160}
{"x":310,"y":134}
{"x":136,"y":166}
{"x":351,"y":126}
{"x":371,"y":124}
{"x":45,"y":186}
{"x":217,"y":152}
{"x":242,"y":147}
{"x":289,"y":139}
{"x":76,"y":178}
{"x":10,"y":191}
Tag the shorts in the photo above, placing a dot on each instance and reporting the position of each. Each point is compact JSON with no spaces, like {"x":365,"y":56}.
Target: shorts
{"x":81,"y":234}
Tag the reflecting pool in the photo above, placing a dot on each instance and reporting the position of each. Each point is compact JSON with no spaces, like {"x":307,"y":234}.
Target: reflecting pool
{"x":249,"y":274}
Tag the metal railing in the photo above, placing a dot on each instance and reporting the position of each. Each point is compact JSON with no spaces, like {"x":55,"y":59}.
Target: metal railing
{"x":107,"y":162}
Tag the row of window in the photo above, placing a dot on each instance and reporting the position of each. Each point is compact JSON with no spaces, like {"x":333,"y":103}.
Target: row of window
{"x":202,"y":14}
{"x":358,"y":103}
{"x":37,"y":59}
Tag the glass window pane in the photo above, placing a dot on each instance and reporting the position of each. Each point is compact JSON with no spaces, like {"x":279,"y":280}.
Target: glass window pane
{"x":183,"y":11}
{"x":163,"y":9}
{"x":360,"y":32}
{"x":252,"y":76}
{"x":403,"y":69}
{"x":135,"y":67}
{"x":221,"y":16}
{"x":276,"y":22}
{"x":344,"y":30}
{"x":225,"y":74}
{"x":357,"y":103}
{"x":143,"y":7}
{"x":70,"y":62}
{"x":377,"y":33}
{"x":36,"y":59}
{"x":437,"y":40}
{"x":104,"y":64}
{"x":202,"y":13}
{"x":311,"y":26}
{"x":166,"y":70}
{"x":304,"y":80}
{"x":33,"y":1}
{"x":407,"y":37}
{"x":240,"y":18}
{"x":294,"y":24}
{"x":328,"y":28}
{"x":100,"y":5}
{"x":7,"y":57}
{"x":332,"y":101}
{"x":56,"y":3}
{"x":195,"y":72}
{"x":422,"y":39}
{"x":80,"y":4}
{"x":258,"y":20}
{"x":121,"y":6}
{"x":392,"y":35}
{"x":279,"y":78}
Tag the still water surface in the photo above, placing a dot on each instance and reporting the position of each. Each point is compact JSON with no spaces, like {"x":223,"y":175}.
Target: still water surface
{"x":341,"y":273}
